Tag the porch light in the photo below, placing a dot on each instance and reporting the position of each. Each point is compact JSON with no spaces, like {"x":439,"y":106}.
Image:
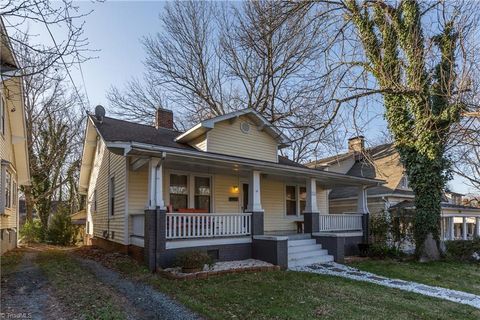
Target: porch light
{"x":235,"y":189}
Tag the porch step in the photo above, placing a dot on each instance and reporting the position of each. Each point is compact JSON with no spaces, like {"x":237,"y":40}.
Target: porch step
{"x":308,"y":247}
{"x":306,"y":252}
{"x":297,"y":243}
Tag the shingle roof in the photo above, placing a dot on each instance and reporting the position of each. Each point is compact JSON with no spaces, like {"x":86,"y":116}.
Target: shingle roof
{"x":116,"y":130}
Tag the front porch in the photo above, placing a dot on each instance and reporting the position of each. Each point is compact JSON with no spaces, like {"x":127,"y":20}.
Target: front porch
{"x":183,"y":211}
{"x":460,"y":226}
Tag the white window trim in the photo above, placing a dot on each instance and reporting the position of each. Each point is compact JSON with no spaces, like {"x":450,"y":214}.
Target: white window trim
{"x":297,"y":200}
{"x":191,"y":187}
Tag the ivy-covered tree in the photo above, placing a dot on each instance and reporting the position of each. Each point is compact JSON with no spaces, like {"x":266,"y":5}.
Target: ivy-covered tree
{"x":420,"y":101}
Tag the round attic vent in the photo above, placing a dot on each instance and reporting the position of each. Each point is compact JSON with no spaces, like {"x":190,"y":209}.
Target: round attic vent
{"x":245,"y":127}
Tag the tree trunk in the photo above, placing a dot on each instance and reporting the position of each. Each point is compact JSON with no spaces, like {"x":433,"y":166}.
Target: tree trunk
{"x":29,"y":202}
{"x":428,"y":182}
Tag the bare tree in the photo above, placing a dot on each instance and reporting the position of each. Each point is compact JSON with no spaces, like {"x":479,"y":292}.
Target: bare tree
{"x":54,"y":138}
{"x":211,"y":59}
{"x":63,"y":19}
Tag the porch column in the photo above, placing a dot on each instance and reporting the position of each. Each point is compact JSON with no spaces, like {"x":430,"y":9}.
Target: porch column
{"x":311,"y":213}
{"x":362,"y":207}
{"x":477,"y":226}
{"x":464,"y":228}
{"x":155,"y":216}
{"x":452,"y":228}
{"x":255,"y":205}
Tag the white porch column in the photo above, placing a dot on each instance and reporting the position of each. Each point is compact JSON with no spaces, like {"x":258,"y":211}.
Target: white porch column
{"x":477,"y":226}
{"x":255,"y":204}
{"x":362,"y":202}
{"x":311,"y":205}
{"x":159,"y":186}
{"x":452,"y":228}
{"x":464,"y":228}
{"x":152,"y":183}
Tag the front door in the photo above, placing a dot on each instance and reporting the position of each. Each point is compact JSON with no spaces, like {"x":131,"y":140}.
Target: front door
{"x":244,"y":197}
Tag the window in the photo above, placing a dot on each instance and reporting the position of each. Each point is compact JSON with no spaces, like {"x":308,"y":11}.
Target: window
{"x":112,"y":196}
{"x":2,"y":116}
{"x":296,"y":200}
{"x":404,"y":182}
{"x":14,"y":193}
{"x":8,"y":190}
{"x":178,"y":191}
{"x":302,"y":198}
{"x":202,"y":193}
{"x":291,"y":200}
{"x":95,"y":200}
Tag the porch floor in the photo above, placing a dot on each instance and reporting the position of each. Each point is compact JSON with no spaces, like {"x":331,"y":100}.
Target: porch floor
{"x":292,"y":235}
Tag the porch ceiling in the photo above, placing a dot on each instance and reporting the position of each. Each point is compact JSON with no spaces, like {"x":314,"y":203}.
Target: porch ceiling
{"x":220,"y":164}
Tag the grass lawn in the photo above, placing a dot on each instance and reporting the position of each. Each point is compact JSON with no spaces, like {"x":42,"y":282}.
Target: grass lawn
{"x":463,"y":276}
{"x":9,"y":261}
{"x":78,"y":289}
{"x":292,"y":295}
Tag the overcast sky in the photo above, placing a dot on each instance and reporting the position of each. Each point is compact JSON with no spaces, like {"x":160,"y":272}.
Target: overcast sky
{"x":115,"y":28}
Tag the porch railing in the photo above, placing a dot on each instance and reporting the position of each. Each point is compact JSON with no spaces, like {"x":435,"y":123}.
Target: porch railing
{"x":340,"y":222}
{"x":207,"y":225}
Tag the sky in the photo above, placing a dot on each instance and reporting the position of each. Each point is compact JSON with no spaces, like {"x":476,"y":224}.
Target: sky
{"x":115,"y":29}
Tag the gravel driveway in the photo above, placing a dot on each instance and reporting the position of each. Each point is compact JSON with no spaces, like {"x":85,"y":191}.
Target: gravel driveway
{"x":148,"y":302}
{"x":26,"y":294}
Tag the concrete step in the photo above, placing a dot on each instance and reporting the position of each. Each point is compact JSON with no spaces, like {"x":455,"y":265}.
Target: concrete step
{"x":307,"y":254}
{"x":295,"y":243}
{"x":310,"y":261}
{"x":308,"y":247}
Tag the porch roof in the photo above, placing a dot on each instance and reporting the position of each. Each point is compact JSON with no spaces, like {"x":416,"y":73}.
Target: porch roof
{"x":194,"y":158}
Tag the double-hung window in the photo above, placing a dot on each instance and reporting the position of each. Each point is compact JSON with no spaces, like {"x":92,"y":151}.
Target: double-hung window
{"x":2,"y":115}
{"x":202,"y":193}
{"x":8,"y":190}
{"x":112,"y":196}
{"x":178,"y":191}
{"x":295,"y":200}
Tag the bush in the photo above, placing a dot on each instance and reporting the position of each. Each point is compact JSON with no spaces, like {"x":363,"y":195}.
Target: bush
{"x":378,"y":250}
{"x":466,"y":250}
{"x":31,"y":231}
{"x":61,"y":231}
{"x":379,"y":227}
{"x":193,"y":260}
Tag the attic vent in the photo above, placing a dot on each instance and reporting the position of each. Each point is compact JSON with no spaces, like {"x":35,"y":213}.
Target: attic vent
{"x":244,"y":127}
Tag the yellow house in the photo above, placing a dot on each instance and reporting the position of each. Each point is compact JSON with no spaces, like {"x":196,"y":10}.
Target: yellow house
{"x":14,"y":167}
{"x":458,"y":222}
{"x":220,"y":187}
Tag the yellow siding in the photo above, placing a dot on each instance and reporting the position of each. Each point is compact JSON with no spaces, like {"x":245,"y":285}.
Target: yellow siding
{"x":9,"y":220}
{"x":200,"y":143}
{"x":223,"y":190}
{"x":137,"y":190}
{"x":227,"y":138}
{"x":375,"y":206}
{"x":106,"y":165}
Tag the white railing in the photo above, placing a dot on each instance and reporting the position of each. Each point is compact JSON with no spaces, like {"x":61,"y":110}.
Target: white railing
{"x":207,"y":225}
{"x":340,"y":222}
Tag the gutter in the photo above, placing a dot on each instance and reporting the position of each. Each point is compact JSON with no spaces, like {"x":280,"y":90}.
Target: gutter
{"x":129,"y":146}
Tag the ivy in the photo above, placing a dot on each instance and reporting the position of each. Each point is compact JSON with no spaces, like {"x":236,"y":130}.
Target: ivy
{"x":417,"y":106}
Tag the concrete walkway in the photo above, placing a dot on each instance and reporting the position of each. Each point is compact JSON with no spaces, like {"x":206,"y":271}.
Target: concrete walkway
{"x":340,"y":270}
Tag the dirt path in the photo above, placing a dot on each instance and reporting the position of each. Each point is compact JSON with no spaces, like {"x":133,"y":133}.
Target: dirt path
{"x":26,"y":294}
{"x":146,"y":300}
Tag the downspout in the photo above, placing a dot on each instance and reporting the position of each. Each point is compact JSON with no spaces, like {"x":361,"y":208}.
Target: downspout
{"x":109,"y":196}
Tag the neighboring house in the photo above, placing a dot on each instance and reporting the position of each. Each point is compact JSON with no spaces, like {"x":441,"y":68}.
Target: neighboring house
{"x":383,"y":162}
{"x":220,"y":187}
{"x":14,"y":167}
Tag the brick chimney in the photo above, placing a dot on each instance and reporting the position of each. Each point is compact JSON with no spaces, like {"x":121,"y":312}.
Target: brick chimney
{"x":356,"y":144}
{"x":164,"y":118}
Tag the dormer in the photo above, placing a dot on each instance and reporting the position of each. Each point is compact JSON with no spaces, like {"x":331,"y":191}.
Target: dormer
{"x":244,"y":133}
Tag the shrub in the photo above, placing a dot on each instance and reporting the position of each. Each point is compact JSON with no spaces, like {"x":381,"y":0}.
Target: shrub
{"x":31,"y":231}
{"x":193,"y":260}
{"x":61,"y":231}
{"x":379,"y":227}
{"x":378,"y":250}
{"x":465,"y":250}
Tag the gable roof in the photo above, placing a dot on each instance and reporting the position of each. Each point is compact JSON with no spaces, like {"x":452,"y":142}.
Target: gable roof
{"x":260,"y":120}
{"x":126,"y":137}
